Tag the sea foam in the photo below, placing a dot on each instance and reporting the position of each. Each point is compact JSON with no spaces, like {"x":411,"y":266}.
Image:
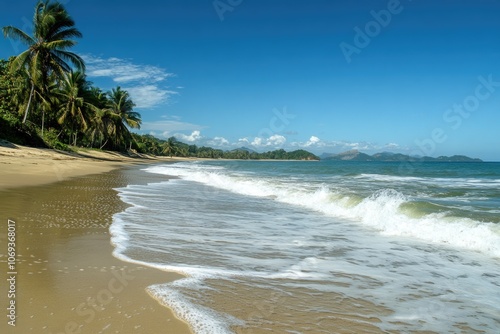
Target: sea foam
{"x":380,"y":210}
{"x":223,"y":227}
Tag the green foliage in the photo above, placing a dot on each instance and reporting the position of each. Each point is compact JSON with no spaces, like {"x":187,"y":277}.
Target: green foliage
{"x":77,"y":113}
{"x":120,"y":107}
{"x":10,"y":129}
{"x":42,"y":82}
{"x":46,"y":59}
{"x":174,"y":148}
{"x":51,"y":138}
{"x":48,"y":82}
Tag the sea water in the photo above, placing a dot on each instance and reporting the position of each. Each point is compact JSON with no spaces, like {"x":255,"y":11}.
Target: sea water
{"x":320,"y":247}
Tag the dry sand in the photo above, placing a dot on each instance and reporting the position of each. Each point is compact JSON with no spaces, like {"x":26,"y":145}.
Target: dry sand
{"x":26,"y":166}
{"x":67,"y":280}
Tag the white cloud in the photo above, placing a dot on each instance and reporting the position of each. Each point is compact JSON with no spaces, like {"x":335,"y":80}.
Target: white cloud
{"x":274,"y":140}
{"x":174,"y":117}
{"x":392,"y":146}
{"x":218,"y":141}
{"x":194,"y":136}
{"x":143,"y":82}
{"x":312,"y":141}
{"x":320,"y":146}
{"x":149,"y":96}
{"x":169,"y":126}
{"x":123,"y":70}
{"x":257,"y":141}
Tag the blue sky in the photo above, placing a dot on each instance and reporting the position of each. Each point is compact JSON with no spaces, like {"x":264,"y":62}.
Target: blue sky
{"x":417,"y":77}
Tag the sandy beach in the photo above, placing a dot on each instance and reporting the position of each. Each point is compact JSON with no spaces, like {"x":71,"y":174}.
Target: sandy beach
{"x":65,"y":279}
{"x":27,"y":166}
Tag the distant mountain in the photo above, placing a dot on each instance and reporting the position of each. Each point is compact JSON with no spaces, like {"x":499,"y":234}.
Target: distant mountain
{"x":244,"y":149}
{"x":389,"y":156}
{"x":355,"y":155}
{"x":348,"y":155}
{"x":244,"y":153}
{"x":456,"y":158}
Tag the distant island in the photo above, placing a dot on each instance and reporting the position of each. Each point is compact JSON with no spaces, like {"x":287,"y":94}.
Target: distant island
{"x":281,"y":154}
{"x":173,"y":147}
{"x":355,"y":155}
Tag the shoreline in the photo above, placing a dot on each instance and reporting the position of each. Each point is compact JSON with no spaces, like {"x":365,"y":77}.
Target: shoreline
{"x":67,"y":279}
{"x":24,"y":166}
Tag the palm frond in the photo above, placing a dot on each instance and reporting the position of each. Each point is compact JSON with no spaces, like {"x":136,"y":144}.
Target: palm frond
{"x":20,"y":61}
{"x":59,"y":66}
{"x":59,"y":44}
{"x":37,"y":17}
{"x":73,"y":58}
{"x":66,"y":34}
{"x":18,"y":34}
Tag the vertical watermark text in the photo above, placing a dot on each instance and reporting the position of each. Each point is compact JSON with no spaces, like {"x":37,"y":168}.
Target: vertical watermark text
{"x":11,"y":272}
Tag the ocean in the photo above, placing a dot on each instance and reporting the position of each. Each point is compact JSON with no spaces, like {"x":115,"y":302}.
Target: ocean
{"x":320,"y":247}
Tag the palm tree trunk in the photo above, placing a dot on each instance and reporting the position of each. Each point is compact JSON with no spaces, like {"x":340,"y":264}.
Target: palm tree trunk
{"x":29,"y":103}
{"x":91,"y":144}
{"x":104,"y":144}
{"x":43,"y":119}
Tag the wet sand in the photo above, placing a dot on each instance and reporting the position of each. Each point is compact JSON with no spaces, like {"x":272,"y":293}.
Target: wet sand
{"x":66,"y":279}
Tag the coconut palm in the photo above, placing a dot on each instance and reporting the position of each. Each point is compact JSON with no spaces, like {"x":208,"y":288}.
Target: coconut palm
{"x":100,"y":120}
{"x":47,"y":57}
{"x":169,"y":147}
{"x":121,"y":107}
{"x":75,"y":99}
{"x":99,"y":129}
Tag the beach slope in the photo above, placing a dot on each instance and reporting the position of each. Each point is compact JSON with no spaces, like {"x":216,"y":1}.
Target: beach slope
{"x":60,"y":206}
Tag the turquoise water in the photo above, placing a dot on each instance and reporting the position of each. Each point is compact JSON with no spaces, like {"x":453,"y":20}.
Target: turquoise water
{"x":321,"y":247}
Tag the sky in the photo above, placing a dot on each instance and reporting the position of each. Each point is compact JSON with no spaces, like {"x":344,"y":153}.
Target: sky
{"x":418,"y":77}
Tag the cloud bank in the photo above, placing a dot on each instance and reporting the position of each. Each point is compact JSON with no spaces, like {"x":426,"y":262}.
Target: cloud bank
{"x":273,"y":142}
{"x":145,"y":83}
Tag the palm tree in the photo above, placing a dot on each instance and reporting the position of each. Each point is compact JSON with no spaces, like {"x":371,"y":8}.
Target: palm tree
{"x":46,"y":57}
{"x":121,"y":107}
{"x":100,"y":121}
{"x":148,"y":144}
{"x":100,"y":128}
{"x":169,"y":146}
{"x":75,"y":99}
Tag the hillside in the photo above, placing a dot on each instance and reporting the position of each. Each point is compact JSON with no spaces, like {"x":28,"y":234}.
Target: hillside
{"x":355,"y":155}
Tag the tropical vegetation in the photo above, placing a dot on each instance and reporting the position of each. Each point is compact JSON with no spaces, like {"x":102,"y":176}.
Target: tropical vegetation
{"x":46,"y":99}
